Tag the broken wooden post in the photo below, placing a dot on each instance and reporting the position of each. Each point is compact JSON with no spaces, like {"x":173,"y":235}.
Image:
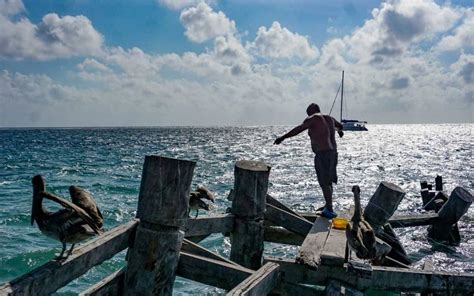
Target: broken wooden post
{"x":383,"y":204}
{"x":439,"y":183}
{"x":162,"y":209}
{"x":457,"y":205}
{"x":248,"y":206}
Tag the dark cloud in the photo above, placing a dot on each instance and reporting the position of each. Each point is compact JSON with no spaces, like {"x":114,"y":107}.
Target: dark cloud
{"x":405,"y":28}
{"x":467,"y":72}
{"x":400,"y":83}
{"x":388,"y":51}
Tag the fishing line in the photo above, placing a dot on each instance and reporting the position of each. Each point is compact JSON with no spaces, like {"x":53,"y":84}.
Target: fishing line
{"x":335,"y":98}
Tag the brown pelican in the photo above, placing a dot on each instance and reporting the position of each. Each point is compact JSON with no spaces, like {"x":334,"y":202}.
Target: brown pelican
{"x":78,"y":220}
{"x":196,"y":199}
{"x":360,"y":235}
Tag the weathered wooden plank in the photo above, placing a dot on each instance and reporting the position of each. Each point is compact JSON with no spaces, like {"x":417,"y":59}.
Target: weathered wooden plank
{"x":290,"y":289}
{"x":310,"y":216}
{"x":312,"y":247}
{"x":297,"y":273}
{"x":53,"y":275}
{"x":287,"y":220}
{"x":195,"y":249}
{"x":207,"y":225}
{"x":334,"y":250}
{"x":410,"y":280}
{"x":250,"y":185}
{"x":274,"y":202}
{"x":111,"y":285}
{"x":280,"y":235}
{"x":413,"y":220}
{"x":259,"y":283}
{"x":211,"y":272}
{"x":163,"y":204}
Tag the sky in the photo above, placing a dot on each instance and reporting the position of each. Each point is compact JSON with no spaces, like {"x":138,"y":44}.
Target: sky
{"x":233,"y":62}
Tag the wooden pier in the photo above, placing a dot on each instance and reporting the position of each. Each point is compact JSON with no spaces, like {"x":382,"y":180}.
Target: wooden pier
{"x":162,"y":243}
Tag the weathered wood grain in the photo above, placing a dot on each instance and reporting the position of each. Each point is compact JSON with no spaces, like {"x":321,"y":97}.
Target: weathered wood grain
{"x":312,"y":247}
{"x":53,"y":275}
{"x":211,"y":272}
{"x":334,"y":250}
{"x":410,"y":280}
{"x":248,"y":206}
{"x":276,"y":203}
{"x":287,"y":220}
{"x":383,"y":204}
{"x":250,"y":189}
{"x":112,"y":285}
{"x":297,"y":273}
{"x":457,"y":205}
{"x":162,"y":208}
{"x":222,"y":223}
{"x":280,"y":235}
{"x":291,"y":289}
{"x":259,"y":283}
{"x":413,"y":220}
{"x":195,"y":249}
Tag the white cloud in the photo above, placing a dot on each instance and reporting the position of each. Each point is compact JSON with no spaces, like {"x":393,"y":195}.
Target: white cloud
{"x":397,"y":25}
{"x":54,"y":37}
{"x":463,"y":35}
{"x":228,"y":84}
{"x":202,"y":23}
{"x":180,"y":4}
{"x":464,"y":68}
{"x":278,"y":42}
{"x":35,"y":89}
{"x":11,"y":7}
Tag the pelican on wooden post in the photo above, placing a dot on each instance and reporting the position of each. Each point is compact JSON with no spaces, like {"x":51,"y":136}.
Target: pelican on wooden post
{"x":360,"y":235}
{"x":197,"y":197}
{"x":79,"y":220}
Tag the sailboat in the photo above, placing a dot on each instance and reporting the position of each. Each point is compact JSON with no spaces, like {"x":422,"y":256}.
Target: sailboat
{"x":350,"y":124}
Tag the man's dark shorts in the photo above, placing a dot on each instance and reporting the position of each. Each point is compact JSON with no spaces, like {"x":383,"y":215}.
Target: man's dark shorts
{"x":325,"y":163}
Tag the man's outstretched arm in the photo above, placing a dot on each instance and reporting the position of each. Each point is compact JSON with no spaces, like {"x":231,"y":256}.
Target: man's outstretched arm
{"x":339,"y":127}
{"x":295,"y":131}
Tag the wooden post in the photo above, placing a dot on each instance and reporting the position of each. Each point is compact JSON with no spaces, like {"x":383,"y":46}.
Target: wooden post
{"x":457,"y":205}
{"x":248,"y":206}
{"x":162,"y":208}
{"x":383,"y":204}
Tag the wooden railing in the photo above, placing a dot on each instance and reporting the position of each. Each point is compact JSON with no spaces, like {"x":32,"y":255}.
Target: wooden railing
{"x":162,"y":240}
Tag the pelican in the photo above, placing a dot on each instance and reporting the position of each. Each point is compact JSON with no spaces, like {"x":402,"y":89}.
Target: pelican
{"x":360,"y":235}
{"x":78,"y":221}
{"x":196,"y":199}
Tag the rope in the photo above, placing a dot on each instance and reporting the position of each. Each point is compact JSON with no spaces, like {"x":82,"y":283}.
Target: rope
{"x":333,"y":102}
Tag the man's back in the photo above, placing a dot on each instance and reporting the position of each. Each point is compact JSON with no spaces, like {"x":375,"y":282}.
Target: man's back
{"x":321,"y":132}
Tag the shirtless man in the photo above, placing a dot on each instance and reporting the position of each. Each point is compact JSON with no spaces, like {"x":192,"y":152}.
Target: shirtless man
{"x":321,"y":129}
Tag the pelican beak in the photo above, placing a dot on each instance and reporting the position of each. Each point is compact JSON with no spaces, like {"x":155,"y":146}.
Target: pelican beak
{"x":38,"y":186}
{"x":32,"y":215}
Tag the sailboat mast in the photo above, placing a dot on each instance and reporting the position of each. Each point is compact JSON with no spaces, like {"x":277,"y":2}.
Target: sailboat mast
{"x":342,"y":91}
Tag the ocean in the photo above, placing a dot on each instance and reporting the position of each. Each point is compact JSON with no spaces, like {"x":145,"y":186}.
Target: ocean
{"x":108,"y":163}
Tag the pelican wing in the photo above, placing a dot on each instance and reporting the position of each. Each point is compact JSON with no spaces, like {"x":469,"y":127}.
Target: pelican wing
{"x":69,"y":205}
{"x":85,"y":201}
{"x":205,"y":193}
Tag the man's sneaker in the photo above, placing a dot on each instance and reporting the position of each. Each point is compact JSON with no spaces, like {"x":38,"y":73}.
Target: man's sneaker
{"x":328,"y":214}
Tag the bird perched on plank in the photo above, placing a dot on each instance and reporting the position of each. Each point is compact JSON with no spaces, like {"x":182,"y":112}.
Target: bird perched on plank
{"x":197,"y":197}
{"x":79,"y":220}
{"x":360,"y":235}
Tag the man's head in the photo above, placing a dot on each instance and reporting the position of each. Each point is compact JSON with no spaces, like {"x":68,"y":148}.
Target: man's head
{"x":312,"y":108}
